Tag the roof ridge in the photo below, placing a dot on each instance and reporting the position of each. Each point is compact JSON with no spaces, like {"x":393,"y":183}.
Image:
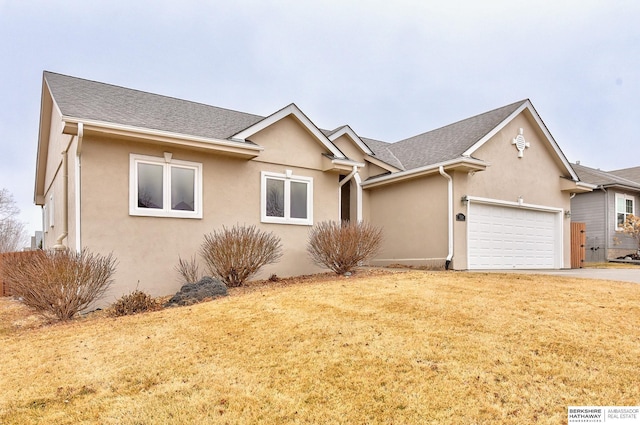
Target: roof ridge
{"x":150,"y":93}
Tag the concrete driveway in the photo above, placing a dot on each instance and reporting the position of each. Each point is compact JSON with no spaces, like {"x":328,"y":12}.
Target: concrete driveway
{"x":622,"y":275}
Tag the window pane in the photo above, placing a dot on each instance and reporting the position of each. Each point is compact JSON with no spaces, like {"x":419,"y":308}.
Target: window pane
{"x":298,"y":200}
{"x":619,"y":204}
{"x":149,"y":186}
{"x":182,"y":188}
{"x":629,"y":206}
{"x":275,"y":198}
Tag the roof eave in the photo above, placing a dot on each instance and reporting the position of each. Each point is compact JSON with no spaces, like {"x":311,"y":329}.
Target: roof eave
{"x":240,"y":149}
{"x":573,"y":186}
{"x":46,"y":108}
{"x":458,"y":164}
{"x":339,"y":164}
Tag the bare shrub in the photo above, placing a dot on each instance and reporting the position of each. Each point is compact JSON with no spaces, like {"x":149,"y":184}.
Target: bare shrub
{"x":341,"y":247}
{"x":13,"y":235}
{"x":59,"y":283}
{"x":236,"y":254}
{"x":188,"y":270}
{"x":133,"y":303}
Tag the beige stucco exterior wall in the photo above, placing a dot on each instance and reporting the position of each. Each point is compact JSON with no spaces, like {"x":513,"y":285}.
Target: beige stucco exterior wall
{"x":536,"y":177}
{"x":413,"y":217}
{"x":54,"y":194}
{"x":148,"y":248}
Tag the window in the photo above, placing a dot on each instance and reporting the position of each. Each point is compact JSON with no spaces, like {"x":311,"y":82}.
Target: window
{"x":165,"y":187}
{"x":286,"y":198}
{"x":624,"y":207}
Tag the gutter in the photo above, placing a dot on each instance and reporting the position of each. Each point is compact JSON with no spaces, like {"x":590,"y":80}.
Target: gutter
{"x":449,"y":215}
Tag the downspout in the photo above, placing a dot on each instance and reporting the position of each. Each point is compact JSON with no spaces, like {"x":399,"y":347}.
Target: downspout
{"x":606,"y":222}
{"x":78,"y":184}
{"x":65,"y":191}
{"x":449,"y":215}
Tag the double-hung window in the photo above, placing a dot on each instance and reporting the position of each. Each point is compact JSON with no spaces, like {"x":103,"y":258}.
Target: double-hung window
{"x":286,"y":198}
{"x":164,"y":187}
{"x":624,"y":207}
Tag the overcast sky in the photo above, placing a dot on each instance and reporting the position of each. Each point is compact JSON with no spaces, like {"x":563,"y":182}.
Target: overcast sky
{"x":389,"y":69}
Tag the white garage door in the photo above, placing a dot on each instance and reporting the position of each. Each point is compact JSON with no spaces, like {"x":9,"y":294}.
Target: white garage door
{"x":502,"y":237}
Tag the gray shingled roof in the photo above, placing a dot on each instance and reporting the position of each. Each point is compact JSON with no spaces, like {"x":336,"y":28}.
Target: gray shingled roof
{"x":382,"y":152}
{"x":90,"y":100}
{"x":602,"y":178}
{"x":632,"y":173}
{"x":449,"y":142}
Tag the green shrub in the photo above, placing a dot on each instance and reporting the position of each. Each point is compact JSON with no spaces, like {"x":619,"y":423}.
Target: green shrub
{"x":59,"y":283}
{"x":133,"y":303}
{"x":234,"y":255}
{"x":341,"y":247}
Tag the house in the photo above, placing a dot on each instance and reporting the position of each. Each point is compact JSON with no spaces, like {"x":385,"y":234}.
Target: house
{"x":605,"y":209}
{"x":145,"y":176}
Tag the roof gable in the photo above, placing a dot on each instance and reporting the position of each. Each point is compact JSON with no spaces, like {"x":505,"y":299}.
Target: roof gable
{"x":451,"y":141}
{"x":295,"y":112}
{"x":347,"y":131}
{"x":463,"y":138}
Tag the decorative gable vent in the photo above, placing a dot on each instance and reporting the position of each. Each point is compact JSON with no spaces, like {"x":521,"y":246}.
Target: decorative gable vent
{"x":520,"y":143}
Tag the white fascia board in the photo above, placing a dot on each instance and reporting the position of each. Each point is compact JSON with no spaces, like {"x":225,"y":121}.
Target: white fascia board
{"x":525,"y":105}
{"x":490,"y":201}
{"x":350,"y":163}
{"x":285,"y":112}
{"x":434,"y":168}
{"x":346,"y":130}
{"x":139,"y":131}
{"x":587,"y":185}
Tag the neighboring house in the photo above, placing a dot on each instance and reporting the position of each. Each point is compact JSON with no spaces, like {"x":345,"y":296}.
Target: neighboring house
{"x":605,"y":209}
{"x":145,"y":176}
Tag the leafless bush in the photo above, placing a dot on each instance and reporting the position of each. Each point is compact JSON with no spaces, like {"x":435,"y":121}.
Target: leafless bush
{"x":188,"y":270}
{"x":235,"y":254}
{"x":341,"y":247}
{"x":13,"y":235}
{"x":133,"y":303}
{"x":59,"y":283}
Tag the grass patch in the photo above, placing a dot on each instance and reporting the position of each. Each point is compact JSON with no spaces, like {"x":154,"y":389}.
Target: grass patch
{"x":405,"y":347}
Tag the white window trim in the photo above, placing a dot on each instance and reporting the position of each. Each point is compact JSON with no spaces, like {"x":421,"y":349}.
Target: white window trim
{"x":166,"y":211}
{"x":625,"y":197}
{"x":288,"y":177}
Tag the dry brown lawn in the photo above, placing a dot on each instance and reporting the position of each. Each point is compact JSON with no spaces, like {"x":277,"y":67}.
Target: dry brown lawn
{"x":377,"y":348}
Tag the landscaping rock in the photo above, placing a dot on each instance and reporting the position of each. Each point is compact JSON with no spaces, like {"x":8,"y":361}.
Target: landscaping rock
{"x":193,"y":293}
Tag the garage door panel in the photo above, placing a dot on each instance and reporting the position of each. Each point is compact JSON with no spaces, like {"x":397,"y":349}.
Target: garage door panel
{"x":502,"y":237}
